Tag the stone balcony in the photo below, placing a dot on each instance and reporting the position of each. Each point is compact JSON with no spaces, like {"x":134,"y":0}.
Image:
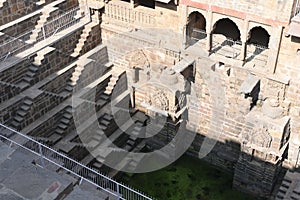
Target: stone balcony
{"x":122,"y":13}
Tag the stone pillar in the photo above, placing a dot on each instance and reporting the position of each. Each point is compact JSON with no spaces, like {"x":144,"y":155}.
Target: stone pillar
{"x":209,"y":30}
{"x":244,"y":39}
{"x":185,"y":38}
{"x":132,"y":96}
{"x":209,"y":42}
{"x":135,"y":75}
{"x":274,"y":47}
{"x":183,"y":20}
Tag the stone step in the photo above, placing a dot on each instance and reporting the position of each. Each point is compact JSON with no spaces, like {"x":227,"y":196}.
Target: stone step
{"x":33,"y":69}
{"x":27,"y":79}
{"x":21,"y":113}
{"x":55,"y":138}
{"x":30,"y":74}
{"x":62,"y":126}
{"x":102,"y":127}
{"x":28,"y":102}
{"x":23,"y":84}
{"x":101,"y":102}
{"x":130,"y":143}
{"x":41,"y":2}
{"x":112,"y":83}
{"x":18,"y":118}
{"x":69,"y":109}
{"x":107,"y":117}
{"x":59,"y":131}
{"x":104,"y":122}
{"x":104,"y":97}
{"x":15,"y":124}
{"x":2,"y":3}
{"x":69,"y":88}
{"x":65,"y":121}
{"x":67,"y":115}
{"x":25,"y":107}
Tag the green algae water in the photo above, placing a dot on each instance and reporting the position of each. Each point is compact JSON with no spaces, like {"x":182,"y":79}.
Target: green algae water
{"x":188,"y":178}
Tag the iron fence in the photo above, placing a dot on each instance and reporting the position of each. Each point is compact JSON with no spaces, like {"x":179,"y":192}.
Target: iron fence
{"x":49,"y":29}
{"x":14,"y":45}
{"x":260,"y":54}
{"x":229,"y":48}
{"x":84,"y":173}
{"x":198,"y":35}
{"x":60,"y":23}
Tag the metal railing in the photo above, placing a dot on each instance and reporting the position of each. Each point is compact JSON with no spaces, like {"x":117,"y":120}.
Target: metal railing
{"x":199,"y":35}
{"x":229,"y":48}
{"x":60,"y":23}
{"x":92,"y":176}
{"x":259,"y":54}
{"x":14,"y":45}
{"x":49,"y":29}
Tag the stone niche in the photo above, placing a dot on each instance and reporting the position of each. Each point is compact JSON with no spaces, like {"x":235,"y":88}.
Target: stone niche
{"x":156,"y":87}
{"x":249,"y":92}
{"x":264,"y":145}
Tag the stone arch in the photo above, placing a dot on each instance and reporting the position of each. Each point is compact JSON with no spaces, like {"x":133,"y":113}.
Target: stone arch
{"x":196,"y":21}
{"x":259,"y":36}
{"x":228,"y":28}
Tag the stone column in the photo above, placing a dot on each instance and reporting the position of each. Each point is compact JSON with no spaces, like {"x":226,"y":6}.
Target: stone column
{"x":209,"y":42}
{"x":183,"y":20}
{"x":132,"y":96}
{"x":244,"y":39}
{"x":274,"y":46}
{"x":209,"y":30}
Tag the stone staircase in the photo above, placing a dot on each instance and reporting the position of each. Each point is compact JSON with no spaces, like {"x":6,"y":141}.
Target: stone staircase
{"x":51,"y":140}
{"x":290,"y":186}
{"x":64,"y":121}
{"x":40,"y":2}
{"x":82,"y":62}
{"x":33,"y":69}
{"x":2,"y":3}
{"x":48,"y":9}
{"x":104,"y":122}
{"x":285,"y":185}
{"x":21,"y":113}
{"x":41,"y":55}
{"x":116,"y":73}
{"x":83,"y":37}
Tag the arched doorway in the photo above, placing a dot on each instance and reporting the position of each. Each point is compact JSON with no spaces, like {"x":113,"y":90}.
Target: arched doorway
{"x":259,"y":36}
{"x":227,"y":28}
{"x":226,"y":38}
{"x":196,"y":28}
{"x":257,"y":45}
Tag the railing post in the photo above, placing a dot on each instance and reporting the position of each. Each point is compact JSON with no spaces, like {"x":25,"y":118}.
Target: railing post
{"x":41,"y":155}
{"x":118,"y":191}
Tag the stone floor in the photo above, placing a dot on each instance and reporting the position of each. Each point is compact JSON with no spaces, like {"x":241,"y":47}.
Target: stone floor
{"x":20,"y":179}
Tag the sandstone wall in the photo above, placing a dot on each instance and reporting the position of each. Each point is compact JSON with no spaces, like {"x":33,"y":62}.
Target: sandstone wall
{"x":14,"y":9}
